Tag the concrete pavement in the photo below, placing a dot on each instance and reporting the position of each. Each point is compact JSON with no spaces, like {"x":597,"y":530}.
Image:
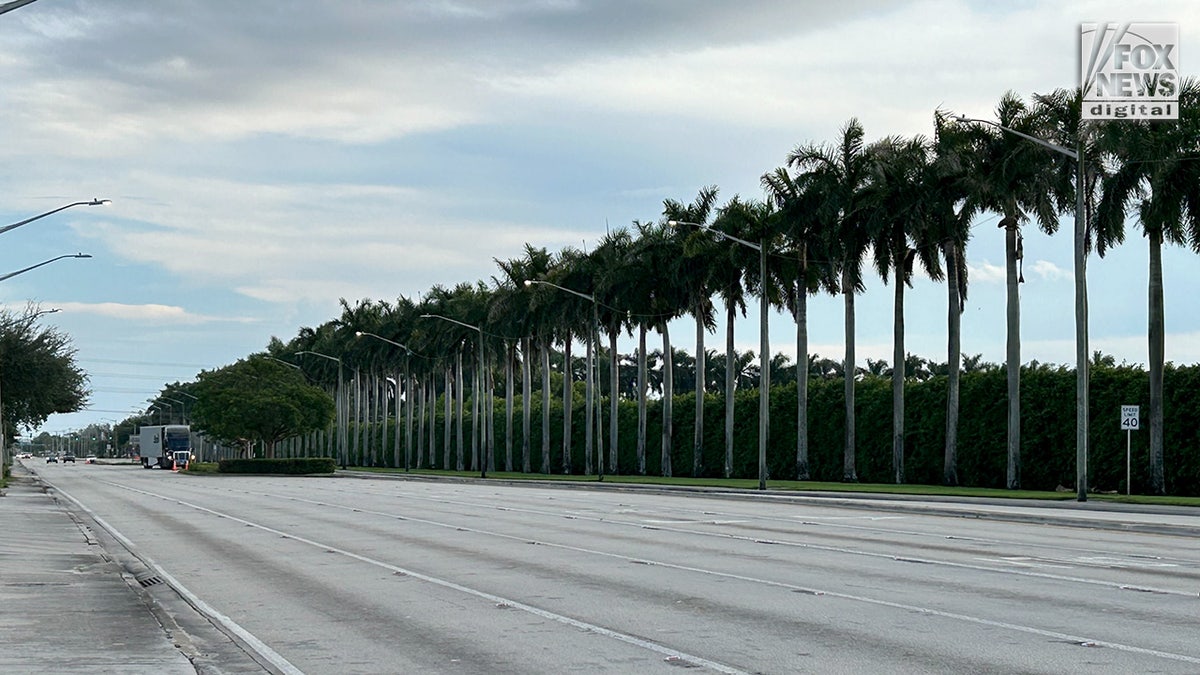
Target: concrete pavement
{"x":73,"y":600}
{"x":70,"y":603}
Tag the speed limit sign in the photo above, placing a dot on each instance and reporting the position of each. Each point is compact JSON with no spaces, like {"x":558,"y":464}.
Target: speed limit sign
{"x":1130,"y":417}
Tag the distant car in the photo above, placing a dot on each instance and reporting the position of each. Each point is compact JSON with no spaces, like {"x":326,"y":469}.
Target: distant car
{"x":52,"y":460}
{"x":91,"y":459}
{"x":68,"y":458}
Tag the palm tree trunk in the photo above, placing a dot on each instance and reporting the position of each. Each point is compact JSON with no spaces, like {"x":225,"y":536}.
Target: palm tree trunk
{"x":526,"y":403}
{"x":642,"y":391}
{"x":455,"y":413}
{"x":383,"y":418}
{"x":489,"y":417}
{"x":954,"y":309}
{"x":448,"y":418}
{"x":567,"y":400}
{"x":730,"y":379}
{"x":668,"y":400}
{"x":476,"y":409}
{"x":508,"y":404}
{"x":421,"y":427}
{"x":1012,"y":357}
{"x":358,"y":390}
{"x":432,"y":408}
{"x":802,"y":472}
{"x":849,"y":474}
{"x":409,"y":400}
{"x":1156,"y":353}
{"x":614,"y":383}
{"x":589,"y":402}
{"x":698,"y":435}
{"x":545,"y":346}
{"x":898,"y":376}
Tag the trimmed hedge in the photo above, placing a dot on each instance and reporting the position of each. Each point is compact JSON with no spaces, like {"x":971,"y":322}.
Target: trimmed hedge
{"x":1047,"y":431}
{"x":292,"y":466}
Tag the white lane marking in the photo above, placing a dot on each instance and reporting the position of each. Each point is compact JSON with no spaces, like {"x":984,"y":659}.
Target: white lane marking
{"x":1066,"y":637}
{"x":270,"y":655}
{"x":669,"y":653}
{"x":831,"y":549}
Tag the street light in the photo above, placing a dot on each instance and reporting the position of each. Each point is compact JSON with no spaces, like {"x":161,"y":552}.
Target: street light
{"x":592,"y":395}
{"x":182,"y":408}
{"x":487,"y":440}
{"x":94,"y":202}
{"x":764,"y":347}
{"x":1081,"y":304}
{"x":407,"y":352}
{"x":44,"y":262}
{"x":342,"y":414}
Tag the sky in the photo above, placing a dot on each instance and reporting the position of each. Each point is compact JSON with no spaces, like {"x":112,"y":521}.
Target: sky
{"x":265,"y":159}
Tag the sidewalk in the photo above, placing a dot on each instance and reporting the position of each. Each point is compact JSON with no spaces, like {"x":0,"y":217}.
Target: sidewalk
{"x":70,"y":601}
{"x":64,"y":605}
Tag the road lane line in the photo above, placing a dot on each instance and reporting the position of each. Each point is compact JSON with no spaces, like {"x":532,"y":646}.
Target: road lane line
{"x":270,"y":655}
{"x":669,"y":653}
{"x":1032,"y":630}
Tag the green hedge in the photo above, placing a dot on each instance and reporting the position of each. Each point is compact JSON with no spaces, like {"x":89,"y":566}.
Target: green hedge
{"x":290,"y":466}
{"x":1047,"y":431}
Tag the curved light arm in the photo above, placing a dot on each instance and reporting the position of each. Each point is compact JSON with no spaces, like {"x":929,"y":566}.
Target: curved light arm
{"x":286,"y":363}
{"x":585,"y":296}
{"x":324,"y":356}
{"x":1045,"y":144}
{"x":44,"y":262}
{"x":446,"y":318}
{"x":722,"y":235}
{"x":94,"y":202}
{"x":361,"y":333}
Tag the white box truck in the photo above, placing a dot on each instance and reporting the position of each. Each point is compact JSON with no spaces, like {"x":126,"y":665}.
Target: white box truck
{"x":162,"y":445}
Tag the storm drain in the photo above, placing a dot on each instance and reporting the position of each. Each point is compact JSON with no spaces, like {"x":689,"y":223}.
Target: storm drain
{"x":150,"y":581}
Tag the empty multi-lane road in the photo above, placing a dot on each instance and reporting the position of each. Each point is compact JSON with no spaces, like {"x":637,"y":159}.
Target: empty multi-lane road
{"x":342,"y":575}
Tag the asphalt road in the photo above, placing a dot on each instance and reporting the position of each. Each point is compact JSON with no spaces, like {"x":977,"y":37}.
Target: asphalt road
{"x":338,"y":575}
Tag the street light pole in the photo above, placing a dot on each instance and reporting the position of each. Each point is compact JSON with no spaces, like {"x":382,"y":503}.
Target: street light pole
{"x":1081,"y":304}
{"x":44,"y":262}
{"x":407,"y":353}
{"x":764,"y":347}
{"x":94,"y":202}
{"x":592,"y":397}
{"x":341,"y":412}
{"x":487,"y":439}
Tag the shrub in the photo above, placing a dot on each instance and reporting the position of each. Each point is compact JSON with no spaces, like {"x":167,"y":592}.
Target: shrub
{"x":292,"y":466}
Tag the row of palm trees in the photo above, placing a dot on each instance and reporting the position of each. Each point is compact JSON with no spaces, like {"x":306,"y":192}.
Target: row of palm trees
{"x":897,"y":204}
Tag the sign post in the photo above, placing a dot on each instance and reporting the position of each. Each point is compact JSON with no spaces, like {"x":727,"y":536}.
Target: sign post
{"x":1130,"y":421}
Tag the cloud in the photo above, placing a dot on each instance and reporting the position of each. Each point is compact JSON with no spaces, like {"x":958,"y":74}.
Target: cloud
{"x":985,"y":272}
{"x":149,"y":313}
{"x":1049,"y":271}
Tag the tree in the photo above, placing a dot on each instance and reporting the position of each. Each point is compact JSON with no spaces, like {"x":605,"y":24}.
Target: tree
{"x":840,"y":172}
{"x":697,"y":268}
{"x":1156,"y":176}
{"x":895,"y":215}
{"x":797,"y":200}
{"x":38,"y":373}
{"x":257,"y":399}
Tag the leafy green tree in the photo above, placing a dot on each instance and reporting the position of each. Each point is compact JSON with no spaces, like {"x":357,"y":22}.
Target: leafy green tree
{"x":38,"y":373}
{"x":257,"y":399}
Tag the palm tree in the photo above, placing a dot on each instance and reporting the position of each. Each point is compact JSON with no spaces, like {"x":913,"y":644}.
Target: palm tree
{"x":1012,"y":177}
{"x":950,"y":215}
{"x":896,"y":215}
{"x":797,"y":200}
{"x":611,"y":260}
{"x":1155,"y":175}
{"x":729,"y":271}
{"x":697,"y":279}
{"x":841,"y":171}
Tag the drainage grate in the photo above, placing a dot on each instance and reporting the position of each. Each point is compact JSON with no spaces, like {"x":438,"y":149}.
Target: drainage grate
{"x":150,"y":581}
